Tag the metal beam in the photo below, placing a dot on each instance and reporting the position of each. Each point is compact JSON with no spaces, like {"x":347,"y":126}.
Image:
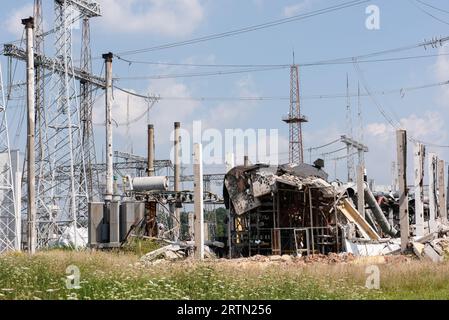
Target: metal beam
{"x":88,"y":8}
{"x":11,"y":50}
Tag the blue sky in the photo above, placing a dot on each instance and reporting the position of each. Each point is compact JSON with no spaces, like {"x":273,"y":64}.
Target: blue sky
{"x":135,"y":24}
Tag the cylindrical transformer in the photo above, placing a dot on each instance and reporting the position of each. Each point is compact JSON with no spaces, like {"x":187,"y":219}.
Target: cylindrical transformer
{"x":150,"y":183}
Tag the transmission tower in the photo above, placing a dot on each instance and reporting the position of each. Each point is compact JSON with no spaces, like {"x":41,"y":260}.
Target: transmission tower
{"x":9,"y":218}
{"x":44,"y":218}
{"x":63,"y":191}
{"x":295,"y":119}
{"x":86,"y":103}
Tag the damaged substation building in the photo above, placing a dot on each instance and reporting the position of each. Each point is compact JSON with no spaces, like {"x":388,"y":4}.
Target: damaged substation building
{"x":294,"y":209}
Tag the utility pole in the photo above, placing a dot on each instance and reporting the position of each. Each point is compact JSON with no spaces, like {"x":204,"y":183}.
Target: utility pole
{"x":350,"y":159}
{"x":177,"y":186}
{"x":199,"y":205}
{"x":109,"y":160}
{"x":361,"y":153}
{"x":401,"y":136}
{"x":419,"y":156}
{"x":31,"y":198}
{"x":442,"y":192}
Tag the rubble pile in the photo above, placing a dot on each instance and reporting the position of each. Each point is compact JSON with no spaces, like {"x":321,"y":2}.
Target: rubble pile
{"x":435,"y":250}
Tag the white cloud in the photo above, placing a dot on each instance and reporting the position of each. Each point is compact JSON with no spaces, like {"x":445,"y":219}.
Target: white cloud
{"x":162,"y":17}
{"x":428,"y":128}
{"x":297,"y":8}
{"x":13,"y":23}
{"x":231,"y":114}
{"x":381,"y":140}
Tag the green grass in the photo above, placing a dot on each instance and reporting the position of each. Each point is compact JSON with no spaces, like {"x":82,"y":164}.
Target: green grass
{"x":116,"y":275}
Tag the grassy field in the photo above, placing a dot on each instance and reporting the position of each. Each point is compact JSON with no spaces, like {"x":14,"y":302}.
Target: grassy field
{"x":120,"y":276}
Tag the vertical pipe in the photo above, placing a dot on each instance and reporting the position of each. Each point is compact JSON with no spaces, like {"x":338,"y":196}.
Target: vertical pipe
{"x":109,"y":165}
{"x":432,"y":192}
{"x":442,"y":192}
{"x":29,"y":26}
{"x":419,"y":155}
{"x":246,"y":161}
{"x":361,"y":190}
{"x":401,"y":137}
{"x":150,"y":150}
{"x":199,"y":214}
{"x":177,"y":187}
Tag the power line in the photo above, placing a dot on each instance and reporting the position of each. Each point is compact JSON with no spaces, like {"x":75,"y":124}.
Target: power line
{"x":199,"y":74}
{"x":235,"y":32}
{"x":305,"y":64}
{"x":400,"y":91}
{"x":324,"y":145}
{"x":433,"y":43}
{"x":432,"y":6}
{"x":384,"y":113}
{"x":428,"y":13}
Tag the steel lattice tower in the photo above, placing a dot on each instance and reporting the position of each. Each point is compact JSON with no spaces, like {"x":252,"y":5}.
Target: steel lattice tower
{"x":45,"y":219}
{"x":62,"y":185}
{"x":86,"y":103}
{"x":8,"y":210}
{"x":295,"y":119}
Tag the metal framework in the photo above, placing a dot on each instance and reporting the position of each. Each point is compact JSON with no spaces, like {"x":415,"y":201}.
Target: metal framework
{"x":8,"y":215}
{"x":352,"y":144}
{"x":350,"y":133}
{"x":86,"y":105}
{"x":295,"y":119}
{"x":64,"y":126}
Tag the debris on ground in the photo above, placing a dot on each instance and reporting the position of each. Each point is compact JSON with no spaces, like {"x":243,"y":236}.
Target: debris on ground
{"x":170,"y":252}
{"x":435,"y":250}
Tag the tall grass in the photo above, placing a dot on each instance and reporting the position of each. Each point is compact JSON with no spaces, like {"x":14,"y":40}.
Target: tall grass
{"x":117,"y":275}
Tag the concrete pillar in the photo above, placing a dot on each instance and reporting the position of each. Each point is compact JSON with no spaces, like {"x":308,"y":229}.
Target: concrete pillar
{"x":199,"y":205}
{"x":177,"y":186}
{"x":31,"y":157}
{"x":401,"y":137}
{"x":150,"y":150}
{"x":432,"y":169}
{"x":246,"y":161}
{"x":442,"y":209}
{"x":419,"y":156}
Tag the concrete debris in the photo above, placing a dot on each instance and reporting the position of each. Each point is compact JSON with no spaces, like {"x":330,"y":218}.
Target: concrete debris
{"x":418,"y":249}
{"x":370,"y":249}
{"x":435,"y":250}
{"x":430,"y":253}
{"x":170,"y":253}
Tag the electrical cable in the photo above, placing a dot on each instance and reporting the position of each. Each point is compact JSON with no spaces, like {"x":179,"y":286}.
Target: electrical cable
{"x":265,"y":25}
